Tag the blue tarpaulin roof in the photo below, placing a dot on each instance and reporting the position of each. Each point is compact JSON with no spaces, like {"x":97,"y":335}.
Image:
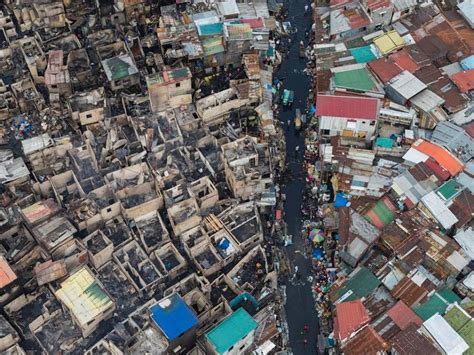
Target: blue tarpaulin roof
{"x":173,"y":316}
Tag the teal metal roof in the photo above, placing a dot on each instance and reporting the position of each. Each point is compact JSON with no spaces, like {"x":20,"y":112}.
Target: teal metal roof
{"x":231,"y":330}
{"x":363,"y":54}
{"x":211,"y":29}
{"x":361,"y":285}
{"x":438,"y":303}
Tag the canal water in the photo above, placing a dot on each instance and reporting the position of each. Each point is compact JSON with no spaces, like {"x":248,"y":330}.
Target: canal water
{"x":300,"y":309}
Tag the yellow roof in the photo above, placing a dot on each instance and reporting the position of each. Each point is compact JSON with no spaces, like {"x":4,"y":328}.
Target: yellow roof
{"x":389,"y":42}
{"x":83,"y":296}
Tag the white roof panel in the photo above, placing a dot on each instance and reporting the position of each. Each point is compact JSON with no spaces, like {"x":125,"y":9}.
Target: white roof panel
{"x":414,"y":156}
{"x":450,"y":341}
{"x":439,"y":210}
{"x":465,"y":239}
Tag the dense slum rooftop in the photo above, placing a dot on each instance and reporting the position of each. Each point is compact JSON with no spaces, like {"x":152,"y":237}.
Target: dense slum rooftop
{"x":404,"y":189}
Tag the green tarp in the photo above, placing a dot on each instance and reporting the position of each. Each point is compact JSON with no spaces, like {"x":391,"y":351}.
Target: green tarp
{"x":358,"y":79}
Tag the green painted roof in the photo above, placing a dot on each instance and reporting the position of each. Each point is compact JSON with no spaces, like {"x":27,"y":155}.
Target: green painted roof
{"x":448,"y":189}
{"x":227,"y":333}
{"x":467,"y":333}
{"x":358,"y":79}
{"x":438,"y":303}
{"x":362,"y":54}
{"x":361,"y":284}
{"x":456,"y":318}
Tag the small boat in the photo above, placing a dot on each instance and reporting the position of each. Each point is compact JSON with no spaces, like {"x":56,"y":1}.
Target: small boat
{"x":302,"y":51}
{"x":287,"y":97}
{"x":298,"y":122}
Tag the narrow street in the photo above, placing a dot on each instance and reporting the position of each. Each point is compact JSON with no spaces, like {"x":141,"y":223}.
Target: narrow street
{"x":300,"y":308}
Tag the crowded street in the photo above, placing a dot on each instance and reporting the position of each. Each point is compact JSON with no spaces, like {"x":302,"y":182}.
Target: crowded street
{"x":300,"y":310}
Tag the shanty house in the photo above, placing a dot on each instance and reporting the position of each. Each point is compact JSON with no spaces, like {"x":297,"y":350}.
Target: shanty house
{"x":234,"y":335}
{"x":169,"y":89}
{"x":350,"y":117}
{"x":86,"y":300}
{"x":121,"y":72}
{"x":56,"y":76}
{"x":175,"y":320}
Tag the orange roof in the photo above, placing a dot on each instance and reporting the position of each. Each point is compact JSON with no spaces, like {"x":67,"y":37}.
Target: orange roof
{"x":351,"y":316}
{"x":403,"y":316}
{"x":442,"y":156}
{"x":464,"y":80}
{"x":6,"y":273}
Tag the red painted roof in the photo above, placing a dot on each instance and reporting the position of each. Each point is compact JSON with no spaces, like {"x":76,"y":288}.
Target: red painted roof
{"x":440,"y":173}
{"x":253,"y":22}
{"x":403,"y":316}
{"x":347,"y":107}
{"x":351,"y":316}
{"x":384,"y":69}
{"x":404,"y":61}
{"x":464,"y":80}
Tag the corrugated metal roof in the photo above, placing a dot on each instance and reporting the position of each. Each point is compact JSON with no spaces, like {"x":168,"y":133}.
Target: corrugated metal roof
{"x":363,"y":54}
{"x":403,"y":316}
{"x":81,"y":293}
{"x":404,"y":61}
{"x":455,"y":139}
{"x":385,"y":69}
{"x":464,"y":80}
{"x":347,"y":107}
{"x":407,"y":85}
{"x":351,"y":316}
{"x":357,"y":79}
{"x":427,"y":101}
{"x":447,"y":338}
{"x":402,"y":5}
{"x":228,"y":8}
{"x":227,"y":333}
{"x":389,"y":42}
{"x":442,"y":156}
{"x":439,"y":211}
